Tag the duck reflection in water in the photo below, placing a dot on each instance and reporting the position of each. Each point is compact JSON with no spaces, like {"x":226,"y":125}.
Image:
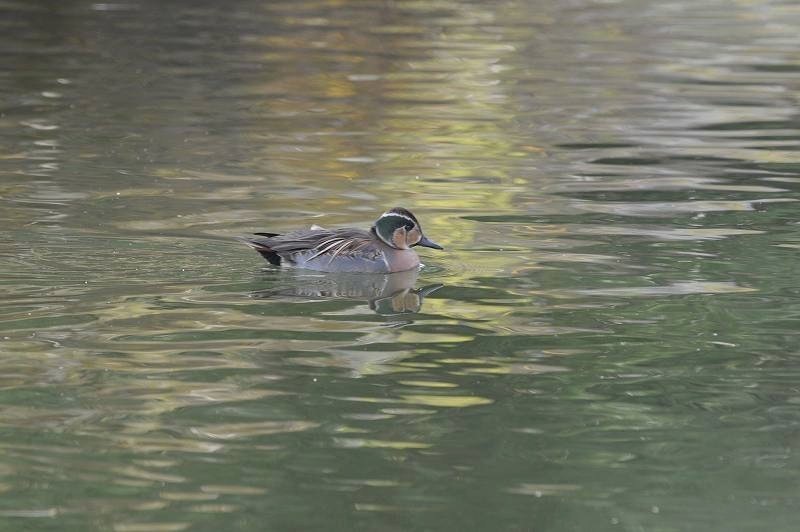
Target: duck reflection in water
{"x":392,"y":293}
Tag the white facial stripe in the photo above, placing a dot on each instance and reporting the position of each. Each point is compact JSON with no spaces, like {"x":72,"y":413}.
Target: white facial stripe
{"x":404,"y":217}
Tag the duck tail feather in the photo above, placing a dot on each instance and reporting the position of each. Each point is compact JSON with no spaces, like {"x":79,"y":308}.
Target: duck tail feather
{"x":262,"y":248}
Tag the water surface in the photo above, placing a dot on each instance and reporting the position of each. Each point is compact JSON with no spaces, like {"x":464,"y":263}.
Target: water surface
{"x":609,"y":341}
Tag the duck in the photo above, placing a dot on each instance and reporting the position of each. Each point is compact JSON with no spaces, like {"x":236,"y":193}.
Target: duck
{"x":385,"y":248}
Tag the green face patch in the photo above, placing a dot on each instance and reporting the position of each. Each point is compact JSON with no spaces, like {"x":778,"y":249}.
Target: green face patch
{"x":386,"y":226}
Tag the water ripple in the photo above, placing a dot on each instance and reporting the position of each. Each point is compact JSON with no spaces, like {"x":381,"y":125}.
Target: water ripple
{"x":610,"y":335}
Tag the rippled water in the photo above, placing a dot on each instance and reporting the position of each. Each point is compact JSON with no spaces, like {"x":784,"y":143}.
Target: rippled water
{"x":609,"y":342}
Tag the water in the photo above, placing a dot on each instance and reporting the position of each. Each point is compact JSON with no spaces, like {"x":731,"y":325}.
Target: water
{"x":609,"y":341}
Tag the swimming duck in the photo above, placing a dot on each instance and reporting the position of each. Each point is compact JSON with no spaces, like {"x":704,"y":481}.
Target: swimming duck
{"x":385,"y":248}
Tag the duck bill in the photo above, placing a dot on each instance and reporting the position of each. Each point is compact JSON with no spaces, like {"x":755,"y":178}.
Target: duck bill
{"x":424,"y":241}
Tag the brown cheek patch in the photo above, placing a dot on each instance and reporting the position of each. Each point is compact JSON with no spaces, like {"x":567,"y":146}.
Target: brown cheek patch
{"x":413,"y":237}
{"x":399,"y":238}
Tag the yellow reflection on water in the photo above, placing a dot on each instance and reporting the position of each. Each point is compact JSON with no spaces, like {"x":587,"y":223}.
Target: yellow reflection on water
{"x":448,"y":401}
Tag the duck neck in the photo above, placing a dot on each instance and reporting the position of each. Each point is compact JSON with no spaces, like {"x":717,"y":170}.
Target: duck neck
{"x":400,"y":260}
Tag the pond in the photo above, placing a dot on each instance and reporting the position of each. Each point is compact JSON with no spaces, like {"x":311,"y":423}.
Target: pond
{"x":609,"y":340}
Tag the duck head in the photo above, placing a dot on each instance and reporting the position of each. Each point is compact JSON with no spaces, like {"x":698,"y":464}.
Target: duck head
{"x":398,"y":228}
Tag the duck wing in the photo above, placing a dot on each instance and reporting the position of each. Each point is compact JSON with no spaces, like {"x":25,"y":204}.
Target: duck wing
{"x":304,"y":246}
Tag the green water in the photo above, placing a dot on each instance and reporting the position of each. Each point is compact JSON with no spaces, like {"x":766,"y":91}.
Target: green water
{"x":609,"y":341}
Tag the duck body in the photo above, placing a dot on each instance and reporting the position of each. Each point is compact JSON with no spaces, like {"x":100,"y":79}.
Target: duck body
{"x":333,"y":250}
{"x":385,"y":248}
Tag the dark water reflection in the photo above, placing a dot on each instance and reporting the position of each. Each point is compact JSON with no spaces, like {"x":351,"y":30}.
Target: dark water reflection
{"x":385,"y":293}
{"x":609,"y":342}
